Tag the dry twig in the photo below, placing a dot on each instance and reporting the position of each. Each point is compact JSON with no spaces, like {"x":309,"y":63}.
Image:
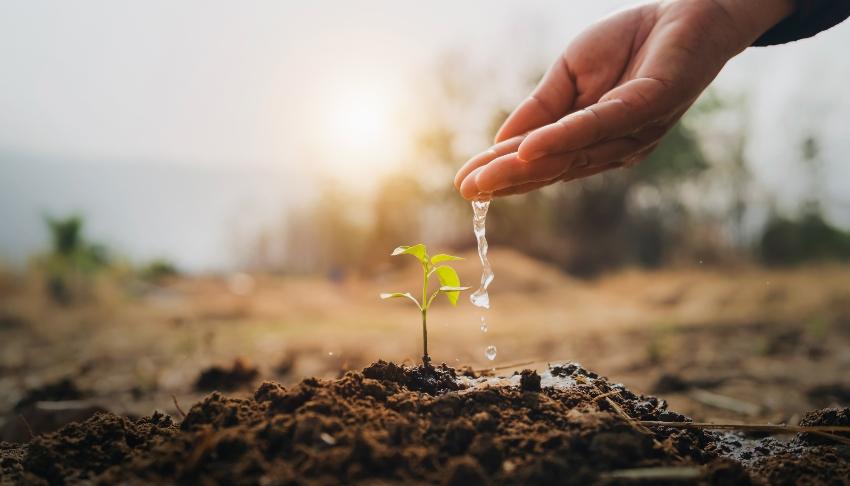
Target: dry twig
{"x":663,"y":473}
{"x":182,"y":413}
{"x":27,"y":425}
{"x":509,"y":366}
{"x":827,"y":431}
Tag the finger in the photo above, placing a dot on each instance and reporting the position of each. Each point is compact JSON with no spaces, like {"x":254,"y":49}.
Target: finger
{"x":469,"y":189}
{"x":640,"y":155}
{"x":581,"y":173}
{"x":523,"y":188}
{"x":621,"y":112}
{"x":485,"y":157}
{"x":551,"y":99}
{"x":509,"y":170}
{"x":569,"y":175}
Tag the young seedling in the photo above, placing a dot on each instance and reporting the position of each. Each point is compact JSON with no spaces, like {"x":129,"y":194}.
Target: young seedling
{"x":449,"y":285}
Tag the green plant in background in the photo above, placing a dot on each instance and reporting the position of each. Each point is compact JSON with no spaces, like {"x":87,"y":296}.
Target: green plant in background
{"x":72,"y":259}
{"x":449,"y":285}
{"x":158,"y":270}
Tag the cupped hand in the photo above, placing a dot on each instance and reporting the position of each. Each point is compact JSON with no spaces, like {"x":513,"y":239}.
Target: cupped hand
{"x":616,"y":90}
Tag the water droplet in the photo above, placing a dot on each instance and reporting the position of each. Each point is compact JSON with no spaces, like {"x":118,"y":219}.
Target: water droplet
{"x":480,"y":298}
{"x":490,"y":352}
{"x":483,"y":324}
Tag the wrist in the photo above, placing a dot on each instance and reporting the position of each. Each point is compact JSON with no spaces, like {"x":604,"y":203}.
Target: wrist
{"x":752,"y":18}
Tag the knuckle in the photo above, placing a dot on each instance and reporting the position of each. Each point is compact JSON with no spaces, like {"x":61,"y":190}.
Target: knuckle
{"x":595,"y":123}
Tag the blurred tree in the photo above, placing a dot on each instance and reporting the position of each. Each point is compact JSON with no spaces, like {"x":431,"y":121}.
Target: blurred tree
{"x":158,"y":270}
{"x":813,"y":167}
{"x":809,"y":238}
{"x":326,"y":236}
{"x":678,"y":157}
{"x":397,"y":218}
{"x":786,"y":241}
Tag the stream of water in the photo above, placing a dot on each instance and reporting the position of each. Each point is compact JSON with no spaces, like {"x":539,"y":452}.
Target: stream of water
{"x":481,"y":298}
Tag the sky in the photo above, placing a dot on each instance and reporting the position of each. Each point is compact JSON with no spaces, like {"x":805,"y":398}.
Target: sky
{"x":244,"y":105}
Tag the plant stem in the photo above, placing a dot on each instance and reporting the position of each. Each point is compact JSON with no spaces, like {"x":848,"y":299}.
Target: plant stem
{"x":425,"y":358}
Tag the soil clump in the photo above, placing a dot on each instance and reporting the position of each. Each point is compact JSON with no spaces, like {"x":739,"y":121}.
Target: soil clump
{"x":239,"y":375}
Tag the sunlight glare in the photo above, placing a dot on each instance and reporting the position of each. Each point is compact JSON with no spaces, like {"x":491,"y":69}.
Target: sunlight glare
{"x":362,"y":138}
{"x":359,"y":122}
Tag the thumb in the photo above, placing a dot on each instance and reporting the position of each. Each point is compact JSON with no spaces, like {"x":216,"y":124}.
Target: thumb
{"x":621,"y":112}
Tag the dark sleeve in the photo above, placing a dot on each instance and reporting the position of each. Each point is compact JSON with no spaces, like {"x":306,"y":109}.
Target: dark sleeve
{"x":811,"y":17}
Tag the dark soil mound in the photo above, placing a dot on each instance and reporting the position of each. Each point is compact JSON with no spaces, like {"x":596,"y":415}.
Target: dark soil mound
{"x":240,"y":375}
{"x":64,"y":389}
{"x":392,"y":424}
{"x":428,"y":379}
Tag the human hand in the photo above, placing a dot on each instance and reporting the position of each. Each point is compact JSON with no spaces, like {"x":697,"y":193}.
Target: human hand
{"x":616,"y":90}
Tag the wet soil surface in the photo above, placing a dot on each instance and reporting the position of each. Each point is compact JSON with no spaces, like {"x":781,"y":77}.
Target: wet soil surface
{"x":393,"y":424}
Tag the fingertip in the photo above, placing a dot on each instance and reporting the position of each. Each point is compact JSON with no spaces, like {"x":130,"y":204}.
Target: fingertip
{"x":506,"y":146}
{"x":473,"y":163}
{"x":532,"y":147}
{"x":491,"y":177}
{"x":458,"y":179}
{"x":469,"y":186}
{"x":525,"y":117}
{"x":501,"y":134}
{"x":508,"y":128}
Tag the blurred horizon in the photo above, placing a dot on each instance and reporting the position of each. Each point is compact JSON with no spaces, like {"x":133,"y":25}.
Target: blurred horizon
{"x":188,"y":137}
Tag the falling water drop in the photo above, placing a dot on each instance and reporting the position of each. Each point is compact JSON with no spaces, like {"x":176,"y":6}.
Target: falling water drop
{"x":480,"y":298}
{"x":490,"y":352}
{"x":483,"y":324}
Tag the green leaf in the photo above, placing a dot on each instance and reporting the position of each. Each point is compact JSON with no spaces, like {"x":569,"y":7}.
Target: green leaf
{"x":417,"y":250}
{"x":442,"y":257}
{"x":448,"y":278}
{"x":395,"y":295}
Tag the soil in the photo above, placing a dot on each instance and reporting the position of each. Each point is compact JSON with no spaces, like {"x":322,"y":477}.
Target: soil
{"x":60,"y":390}
{"x":238,"y":375}
{"x":423,"y":425}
